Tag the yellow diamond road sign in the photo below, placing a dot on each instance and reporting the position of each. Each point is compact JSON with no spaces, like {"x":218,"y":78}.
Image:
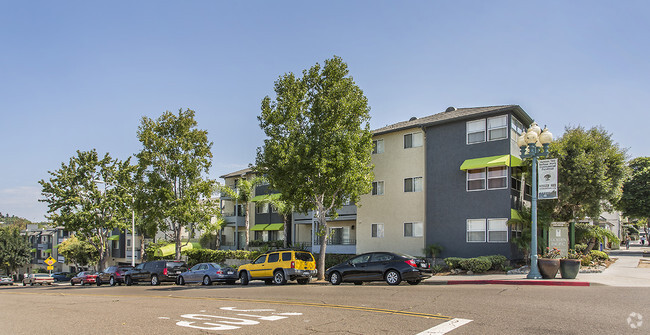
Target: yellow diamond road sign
{"x":50,"y":261}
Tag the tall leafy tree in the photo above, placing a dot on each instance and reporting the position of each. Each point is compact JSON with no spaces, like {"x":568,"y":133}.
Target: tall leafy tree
{"x":635,"y":201}
{"x":89,"y":196}
{"x":78,"y":252}
{"x":318,"y":145}
{"x":14,"y":249}
{"x":174,"y":161}
{"x":243,"y":194}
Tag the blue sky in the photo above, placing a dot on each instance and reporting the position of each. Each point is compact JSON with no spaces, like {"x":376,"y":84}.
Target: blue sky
{"x":77,"y":75}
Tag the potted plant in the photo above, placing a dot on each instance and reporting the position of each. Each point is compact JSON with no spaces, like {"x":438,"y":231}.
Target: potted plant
{"x":549,"y":263}
{"x":570,"y":266}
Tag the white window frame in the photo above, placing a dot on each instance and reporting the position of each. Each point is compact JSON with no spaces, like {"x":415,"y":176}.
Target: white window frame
{"x":377,"y":147}
{"x":417,"y":140}
{"x":379,"y":182}
{"x":262,"y":208}
{"x":377,"y":230}
{"x":483,"y":129}
{"x":417,"y":229}
{"x":467,"y":180}
{"x":474,"y":225}
{"x":503,"y":126}
{"x":416,"y":184}
{"x":504,"y":177}
{"x":500,"y":225}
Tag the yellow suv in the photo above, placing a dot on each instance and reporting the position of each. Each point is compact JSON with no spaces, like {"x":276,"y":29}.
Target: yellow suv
{"x":279,"y":266}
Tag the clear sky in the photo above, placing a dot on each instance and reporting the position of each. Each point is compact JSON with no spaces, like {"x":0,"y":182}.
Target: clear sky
{"x":78,"y":75}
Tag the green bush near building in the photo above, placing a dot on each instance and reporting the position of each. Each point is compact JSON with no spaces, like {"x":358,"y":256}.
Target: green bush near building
{"x":195,"y":256}
{"x":476,"y":265}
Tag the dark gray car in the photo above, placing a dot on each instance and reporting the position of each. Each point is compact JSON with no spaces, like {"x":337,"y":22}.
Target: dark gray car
{"x":207,"y":273}
{"x":155,"y":272}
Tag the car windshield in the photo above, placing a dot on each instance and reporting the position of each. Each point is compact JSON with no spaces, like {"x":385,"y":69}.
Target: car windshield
{"x":216,"y":266}
{"x":304,"y":256}
{"x":174,"y":264}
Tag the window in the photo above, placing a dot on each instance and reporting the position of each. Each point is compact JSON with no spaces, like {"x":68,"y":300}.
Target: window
{"x":377,"y":230}
{"x":259,"y":235}
{"x":413,"y":140}
{"x":413,"y":229}
{"x":475,"y":179}
{"x":497,"y":127}
{"x":497,"y":177}
{"x":413,"y":184}
{"x":260,"y":260}
{"x":517,"y":230}
{"x":274,"y":257}
{"x":476,"y":131}
{"x":273,"y":235}
{"x":517,"y":126}
{"x":476,"y":230}
{"x":286,"y":256}
{"x":128,"y":242}
{"x":497,"y":230}
{"x":360,"y":259}
{"x":381,"y":257}
{"x":377,"y":188}
{"x":262,"y":208}
{"x":378,"y":146}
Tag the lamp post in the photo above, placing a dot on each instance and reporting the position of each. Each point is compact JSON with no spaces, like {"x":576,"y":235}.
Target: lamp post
{"x":132,"y":219}
{"x":534,"y":144}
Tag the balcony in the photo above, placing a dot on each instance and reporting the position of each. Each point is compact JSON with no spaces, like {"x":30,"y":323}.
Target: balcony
{"x":230,"y":218}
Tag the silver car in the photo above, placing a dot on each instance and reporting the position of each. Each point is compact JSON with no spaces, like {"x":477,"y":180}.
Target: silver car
{"x":4,"y":280}
{"x":207,"y":273}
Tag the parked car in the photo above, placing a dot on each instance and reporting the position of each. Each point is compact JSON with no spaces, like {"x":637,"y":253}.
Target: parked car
{"x":5,"y":280}
{"x":378,"y":266}
{"x":84,"y":277}
{"x":38,"y":278}
{"x":113,"y":275}
{"x":207,"y":273}
{"x":62,"y":276}
{"x":278,"y":267}
{"x":155,"y":272}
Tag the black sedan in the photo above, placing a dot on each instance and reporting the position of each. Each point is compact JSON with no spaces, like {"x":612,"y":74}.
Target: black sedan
{"x":378,"y":266}
{"x":206,"y":273}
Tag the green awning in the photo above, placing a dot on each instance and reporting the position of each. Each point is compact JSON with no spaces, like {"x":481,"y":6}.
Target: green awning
{"x":170,"y":249}
{"x":272,"y":226}
{"x":49,"y":251}
{"x":515,"y":215}
{"x":114,"y":238}
{"x":32,"y":250}
{"x":266,"y":197}
{"x":477,"y":163}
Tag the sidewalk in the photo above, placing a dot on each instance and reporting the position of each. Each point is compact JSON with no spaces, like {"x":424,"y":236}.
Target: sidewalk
{"x":622,"y":273}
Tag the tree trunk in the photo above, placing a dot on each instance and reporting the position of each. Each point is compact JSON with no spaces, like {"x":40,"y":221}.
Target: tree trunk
{"x":323,"y":243}
{"x":177,"y":238}
{"x":247,"y":226}
{"x":286,"y":231}
{"x":142,"y":254}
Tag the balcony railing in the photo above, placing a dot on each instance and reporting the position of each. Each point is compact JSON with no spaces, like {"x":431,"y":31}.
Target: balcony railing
{"x":337,"y":241}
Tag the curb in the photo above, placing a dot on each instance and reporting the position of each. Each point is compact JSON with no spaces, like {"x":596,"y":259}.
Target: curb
{"x":549,"y":282}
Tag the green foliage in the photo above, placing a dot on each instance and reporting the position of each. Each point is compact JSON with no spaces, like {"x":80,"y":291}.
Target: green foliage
{"x":631,"y":230}
{"x":453,"y":262}
{"x":195,"y":256}
{"x":588,"y":234}
{"x":318,"y":146}
{"x":150,"y":250}
{"x":437,"y":268}
{"x":476,"y":265}
{"x":581,"y":248}
{"x":573,"y":254}
{"x":432,"y":250}
{"x":78,"y":203}
{"x":173,"y":163}
{"x":78,"y":252}
{"x":334,"y":259}
{"x":598,"y":255}
{"x":498,"y":262}
{"x":525,"y":224}
{"x":636,"y":190}
{"x":586,"y":260}
{"x":243,"y":194}
{"x":591,"y":171}
{"x":14,"y":248}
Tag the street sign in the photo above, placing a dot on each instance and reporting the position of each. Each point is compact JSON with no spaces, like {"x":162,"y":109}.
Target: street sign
{"x":547,"y":185}
{"x":50,"y":261}
{"x":50,"y":267}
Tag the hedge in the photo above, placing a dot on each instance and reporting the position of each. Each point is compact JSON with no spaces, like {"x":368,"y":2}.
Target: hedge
{"x":476,"y":265}
{"x":195,"y":256}
{"x":598,"y":255}
{"x":453,"y":262}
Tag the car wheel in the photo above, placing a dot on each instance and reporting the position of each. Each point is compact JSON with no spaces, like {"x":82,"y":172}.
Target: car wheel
{"x":98,"y":282}
{"x":279,"y":278}
{"x":24,"y":284}
{"x":207,"y":281}
{"x":414,"y":282}
{"x":243,"y":278}
{"x":154,"y":280}
{"x":31,"y":284}
{"x":71,"y":283}
{"x":128,"y":281}
{"x":335,"y":278}
{"x":111,"y":281}
{"x":393,"y":277}
{"x":181,"y":281}
{"x":303,"y":281}
{"x":82,"y":283}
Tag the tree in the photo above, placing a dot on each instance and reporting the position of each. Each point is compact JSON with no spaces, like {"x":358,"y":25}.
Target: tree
{"x":76,"y":202}
{"x":173,"y":160}
{"x":14,"y":249}
{"x":318,"y":145}
{"x":78,"y":252}
{"x":284,"y":208}
{"x":243,"y":194}
{"x":635,"y":201}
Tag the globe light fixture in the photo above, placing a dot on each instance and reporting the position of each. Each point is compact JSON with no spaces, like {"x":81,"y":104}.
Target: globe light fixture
{"x":534,"y":144}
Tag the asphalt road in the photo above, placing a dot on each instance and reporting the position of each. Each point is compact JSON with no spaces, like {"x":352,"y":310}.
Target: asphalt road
{"x":321,"y":308}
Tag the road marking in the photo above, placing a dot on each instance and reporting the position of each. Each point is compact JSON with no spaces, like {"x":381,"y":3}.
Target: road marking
{"x":445,"y":327}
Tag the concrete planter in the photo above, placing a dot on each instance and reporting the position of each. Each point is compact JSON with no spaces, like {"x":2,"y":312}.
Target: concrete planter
{"x":569,"y":268}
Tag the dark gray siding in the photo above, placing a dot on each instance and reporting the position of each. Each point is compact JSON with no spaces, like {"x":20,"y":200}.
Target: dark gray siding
{"x":448,"y":204}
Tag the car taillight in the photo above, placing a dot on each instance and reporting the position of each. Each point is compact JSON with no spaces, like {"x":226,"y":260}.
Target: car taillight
{"x":412,"y":263}
{"x":219,"y":272}
{"x":293,"y":264}
{"x":165,"y":271}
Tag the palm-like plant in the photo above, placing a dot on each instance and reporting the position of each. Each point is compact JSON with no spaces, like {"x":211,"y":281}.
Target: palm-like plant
{"x":243,"y":193}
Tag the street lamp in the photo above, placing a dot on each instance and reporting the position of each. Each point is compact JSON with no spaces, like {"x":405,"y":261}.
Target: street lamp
{"x":132,"y":219}
{"x":534,"y":143}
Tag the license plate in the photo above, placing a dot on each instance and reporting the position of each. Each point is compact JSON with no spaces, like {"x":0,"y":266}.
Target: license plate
{"x":230,"y":272}
{"x":178,"y":272}
{"x":306,"y":273}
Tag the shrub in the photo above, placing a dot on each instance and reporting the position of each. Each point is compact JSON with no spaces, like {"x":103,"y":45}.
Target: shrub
{"x":580,"y":248}
{"x":499,"y":262}
{"x":437,"y":268}
{"x":599,"y":255}
{"x":586,"y":261}
{"x":334,"y":259}
{"x":453,"y":262}
{"x":476,"y":265}
{"x":195,"y":256}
